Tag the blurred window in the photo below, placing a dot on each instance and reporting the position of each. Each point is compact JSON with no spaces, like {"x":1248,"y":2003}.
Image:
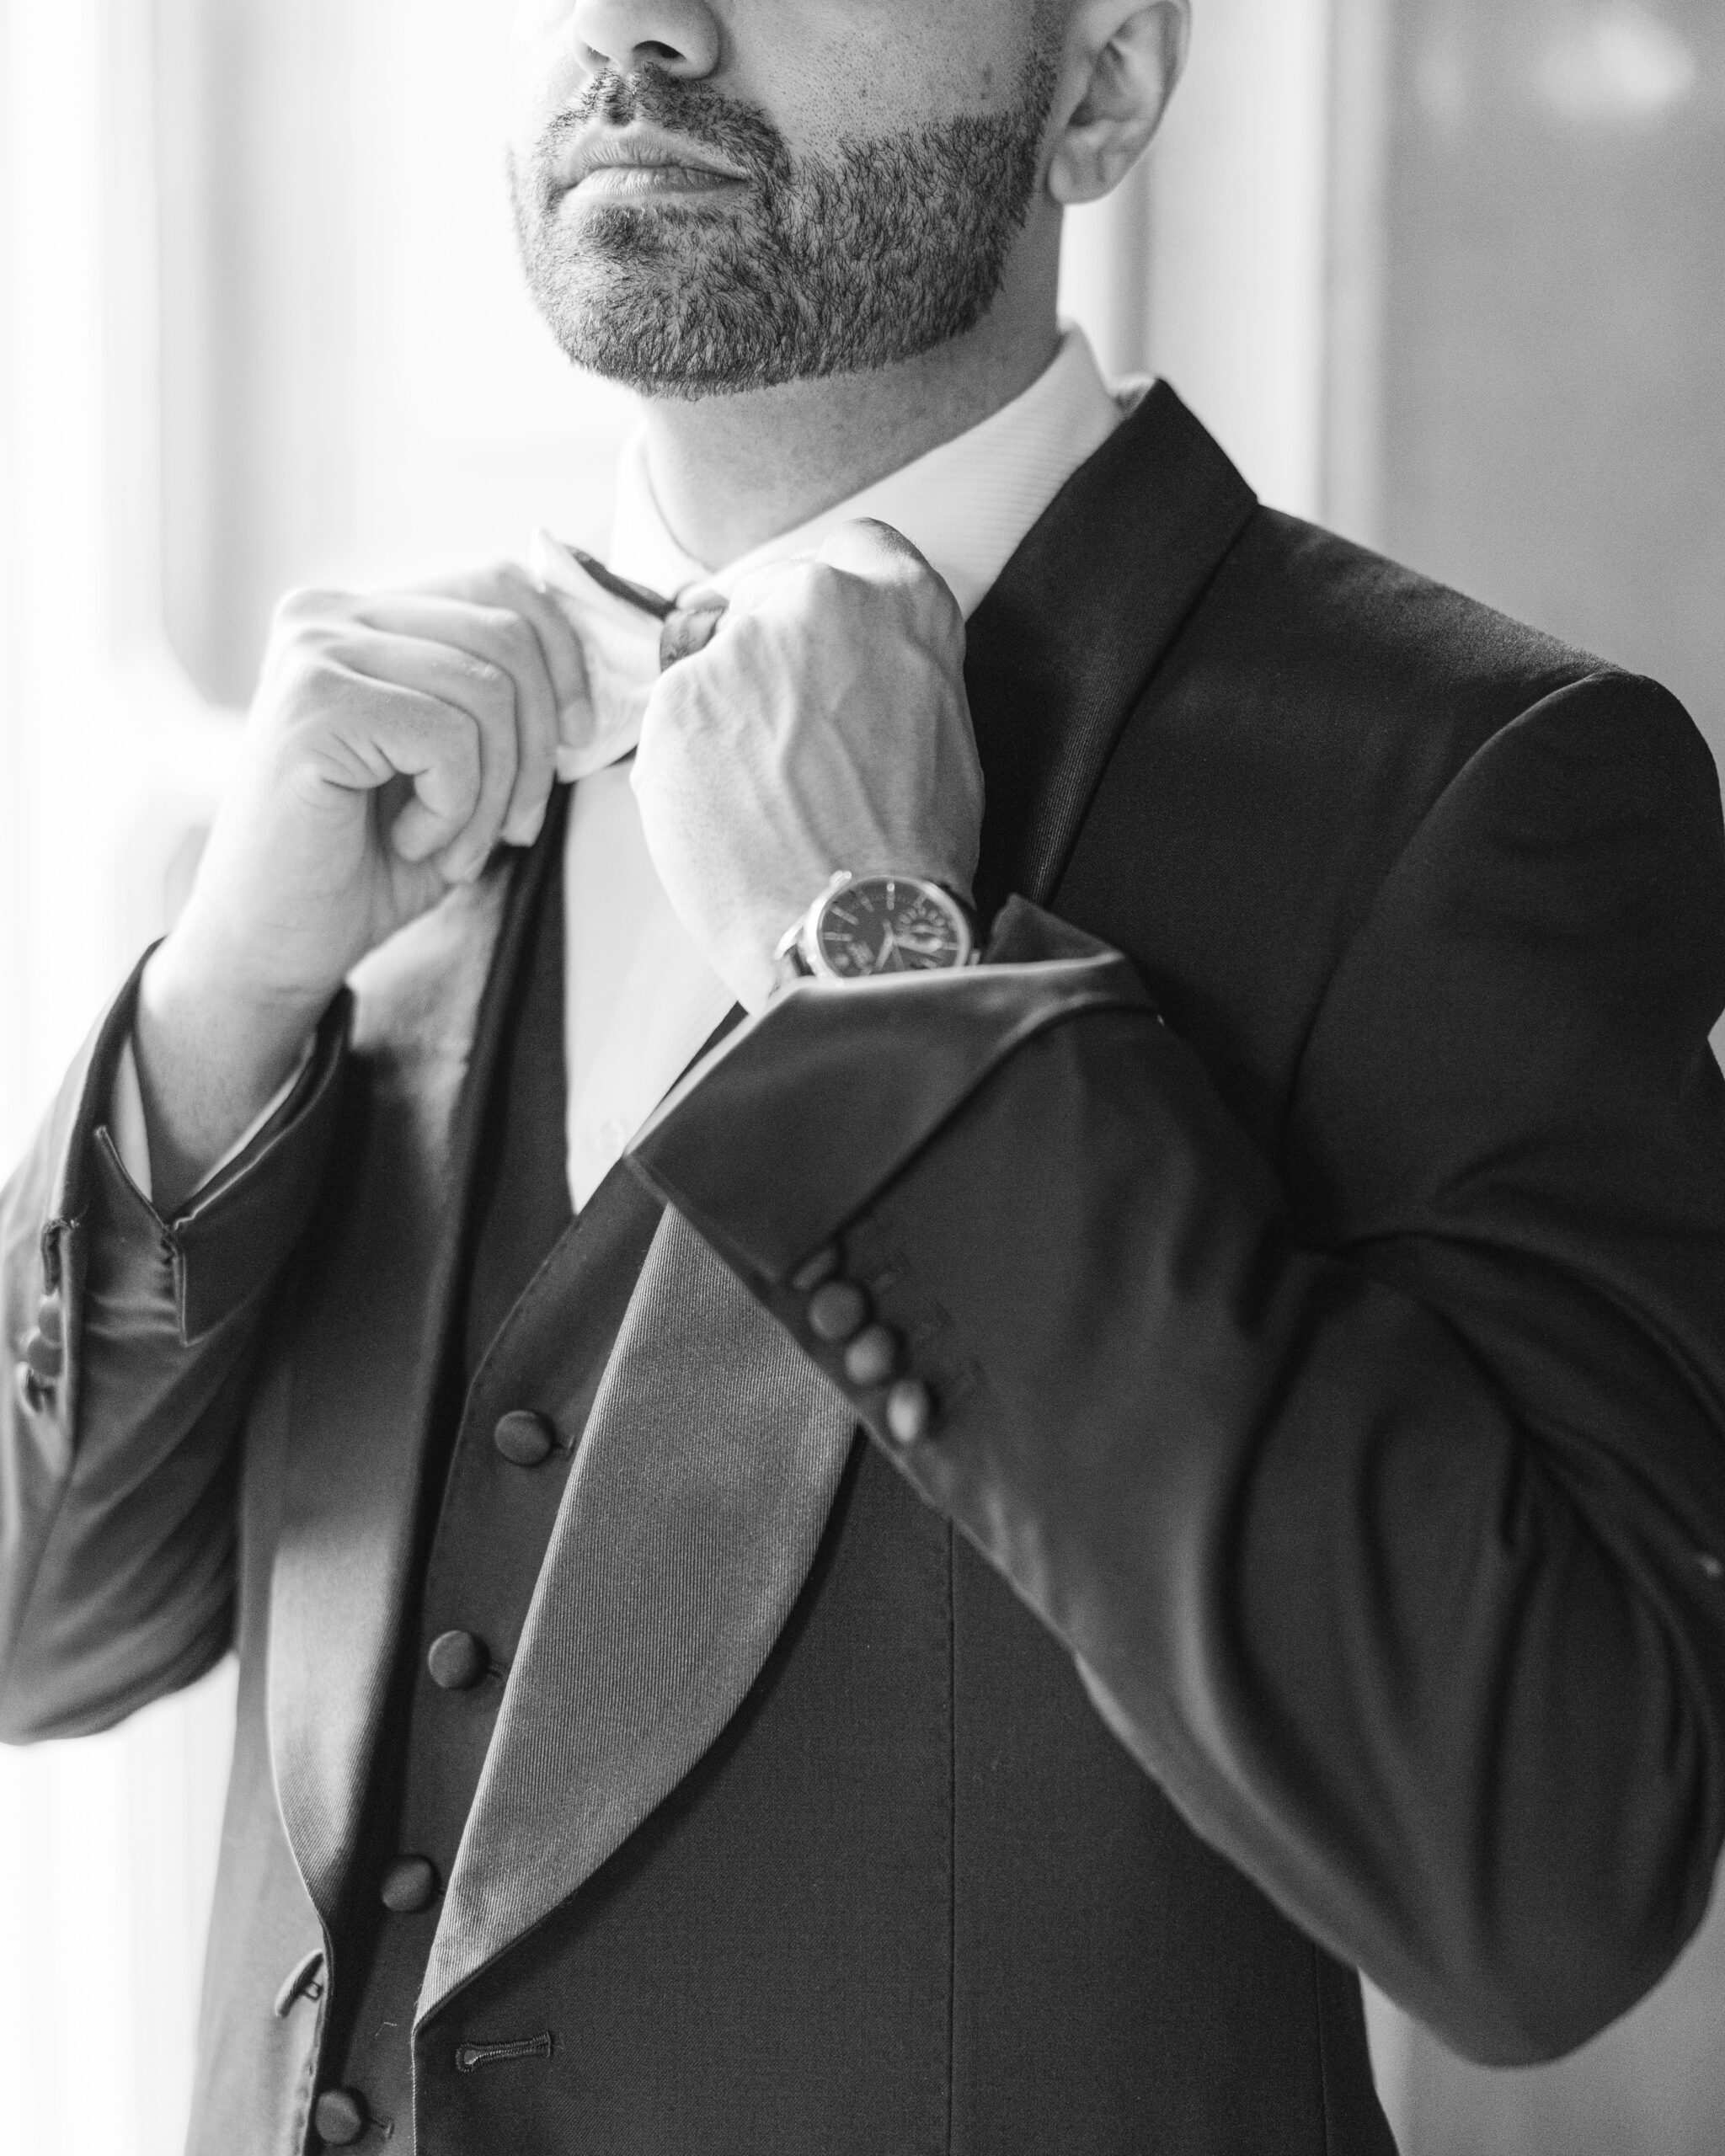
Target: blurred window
{"x":1525,"y":398}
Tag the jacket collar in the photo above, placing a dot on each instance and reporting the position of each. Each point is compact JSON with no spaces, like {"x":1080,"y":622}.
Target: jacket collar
{"x":1063,"y":646}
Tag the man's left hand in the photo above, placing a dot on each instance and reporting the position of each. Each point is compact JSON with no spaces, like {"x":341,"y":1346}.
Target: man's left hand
{"x":825,"y":726}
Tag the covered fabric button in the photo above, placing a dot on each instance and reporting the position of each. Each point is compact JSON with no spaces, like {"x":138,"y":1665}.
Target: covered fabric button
{"x":339,"y":2115}
{"x":872,"y":1357}
{"x":409,"y":1885}
{"x":910,"y":1411}
{"x":457,"y":1660}
{"x":45,"y":1358}
{"x":524,"y":1438}
{"x":50,"y":1320}
{"x":837,"y":1310}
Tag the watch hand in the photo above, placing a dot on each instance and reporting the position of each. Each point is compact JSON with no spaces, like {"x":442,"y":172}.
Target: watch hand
{"x":888,"y":943}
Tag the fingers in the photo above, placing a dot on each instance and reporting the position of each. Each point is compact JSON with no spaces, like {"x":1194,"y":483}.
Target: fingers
{"x":431,"y":742}
{"x":474,"y":690}
{"x":492,"y":648}
{"x":862,"y":562}
{"x":867,"y":548}
{"x":492,"y":658}
{"x":691,"y":626}
{"x":508,"y":586}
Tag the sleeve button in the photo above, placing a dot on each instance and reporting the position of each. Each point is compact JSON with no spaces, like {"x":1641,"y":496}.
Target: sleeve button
{"x":837,"y":1311}
{"x":45,"y":1358}
{"x":872,"y":1357}
{"x":50,"y":1320}
{"x":909,"y":1412}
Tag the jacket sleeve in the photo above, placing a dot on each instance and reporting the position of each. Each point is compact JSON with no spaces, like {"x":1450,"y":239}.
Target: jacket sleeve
{"x":1378,"y":1490}
{"x":128,"y":1339}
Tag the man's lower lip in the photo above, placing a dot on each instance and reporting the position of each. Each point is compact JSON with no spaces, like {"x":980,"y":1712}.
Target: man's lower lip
{"x":638,"y":183}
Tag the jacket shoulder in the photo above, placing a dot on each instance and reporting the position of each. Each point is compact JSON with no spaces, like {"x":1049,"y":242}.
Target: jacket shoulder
{"x":1398,"y":662}
{"x":1365,"y":629}
{"x":1318,"y":704}
{"x":1326,"y":694}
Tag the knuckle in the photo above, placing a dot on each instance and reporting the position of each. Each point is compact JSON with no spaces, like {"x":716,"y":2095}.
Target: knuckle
{"x":296,"y":605}
{"x":326,"y":646}
{"x":311,"y":677}
{"x":497,"y":585}
{"x":512,"y":637}
{"x":827,"y":587}
{"x":494,"y":689}
{"x":452,"y":721}
{"x":453,"y":737}
{"x":939,"y":609}
{"x":308,"y":605}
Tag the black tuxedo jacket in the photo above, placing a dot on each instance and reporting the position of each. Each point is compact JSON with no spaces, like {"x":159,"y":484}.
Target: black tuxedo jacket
{"x":1311,"y":1228}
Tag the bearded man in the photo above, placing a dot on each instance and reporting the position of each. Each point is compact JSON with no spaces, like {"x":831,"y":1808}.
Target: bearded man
{"x":832,"y":1548}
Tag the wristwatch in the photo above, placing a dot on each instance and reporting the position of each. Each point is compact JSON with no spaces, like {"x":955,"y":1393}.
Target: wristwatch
{"x":863,"y":925}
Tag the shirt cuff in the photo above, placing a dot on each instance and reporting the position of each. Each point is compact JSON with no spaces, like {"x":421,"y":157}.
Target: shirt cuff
{"x":131,"y":1134}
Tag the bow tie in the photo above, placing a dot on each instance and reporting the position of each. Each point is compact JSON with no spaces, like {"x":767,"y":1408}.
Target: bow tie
{"x":628,"y":636}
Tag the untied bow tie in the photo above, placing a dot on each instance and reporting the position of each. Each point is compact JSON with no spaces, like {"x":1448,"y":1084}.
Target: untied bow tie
{"x":628,"y":636}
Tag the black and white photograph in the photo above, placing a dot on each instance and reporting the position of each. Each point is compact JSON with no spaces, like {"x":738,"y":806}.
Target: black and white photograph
{"x":862,"y":1130}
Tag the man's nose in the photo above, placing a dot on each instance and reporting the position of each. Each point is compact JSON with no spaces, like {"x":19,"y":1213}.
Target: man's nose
{"x":680,"y":37}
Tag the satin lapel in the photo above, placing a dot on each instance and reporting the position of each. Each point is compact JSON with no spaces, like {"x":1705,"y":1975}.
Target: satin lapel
{"x":371,"y":1351}
{"x":1062,"y":649}
{"x":714,"y":1449}
{"x":696,"y":1502}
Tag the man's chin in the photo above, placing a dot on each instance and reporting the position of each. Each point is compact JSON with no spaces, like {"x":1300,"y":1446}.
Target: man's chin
{"x":650,"y":371}
{"x":652,"y":328}
{"x":665,"y":304}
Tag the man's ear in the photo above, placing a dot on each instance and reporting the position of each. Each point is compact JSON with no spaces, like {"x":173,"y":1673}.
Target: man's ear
{"x":1125,"y":57}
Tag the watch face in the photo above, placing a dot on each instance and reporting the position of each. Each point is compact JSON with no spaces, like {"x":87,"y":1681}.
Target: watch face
{"x":890,"y":925}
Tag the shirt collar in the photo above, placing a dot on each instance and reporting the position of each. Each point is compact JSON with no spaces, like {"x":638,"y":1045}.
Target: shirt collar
{"x":965,"y":505}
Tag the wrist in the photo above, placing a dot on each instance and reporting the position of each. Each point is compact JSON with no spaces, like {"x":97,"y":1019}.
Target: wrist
{"x":210,"y":1055}
{"x":862,"y":926}
{"x":191,"y":983}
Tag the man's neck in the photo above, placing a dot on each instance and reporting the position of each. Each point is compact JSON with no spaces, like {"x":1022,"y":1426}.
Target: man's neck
{"x":730,"y":473}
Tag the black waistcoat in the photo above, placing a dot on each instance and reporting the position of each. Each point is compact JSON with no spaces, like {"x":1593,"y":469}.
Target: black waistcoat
{"x":915,"y":1902}
{"x":546,"y":1294}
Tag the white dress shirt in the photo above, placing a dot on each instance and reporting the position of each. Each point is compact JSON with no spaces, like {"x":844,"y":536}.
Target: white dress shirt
{"x":639,"y":997}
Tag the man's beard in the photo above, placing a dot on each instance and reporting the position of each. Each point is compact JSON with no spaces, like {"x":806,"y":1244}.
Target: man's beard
{"x":822,"y":266}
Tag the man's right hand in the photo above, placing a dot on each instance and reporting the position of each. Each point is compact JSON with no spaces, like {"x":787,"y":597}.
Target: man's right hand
{"x":396,"y":739}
